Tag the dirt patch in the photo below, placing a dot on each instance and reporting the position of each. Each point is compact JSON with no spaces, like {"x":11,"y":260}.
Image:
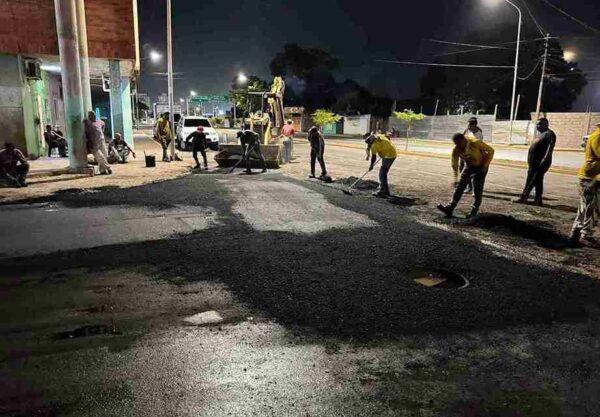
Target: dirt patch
{"x":501,"y":223}
{"x":360,"y":185}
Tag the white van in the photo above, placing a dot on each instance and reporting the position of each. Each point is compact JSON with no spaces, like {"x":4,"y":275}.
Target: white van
{"x":189,"y":124}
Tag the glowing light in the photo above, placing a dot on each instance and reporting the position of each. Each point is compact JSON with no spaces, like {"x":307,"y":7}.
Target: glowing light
{"x":50,"y":67}
{"x":242,"y":78}
{"x":193,"y":93}
{"x":569,"y":56}
{"x":155,"y":56}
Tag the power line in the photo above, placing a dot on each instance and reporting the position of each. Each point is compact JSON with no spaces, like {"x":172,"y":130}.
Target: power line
{"x":467,"y":44}
{"x":582,"y":23}
{"x":532,"y":71}
{"x":533,"y":18}
{"x":443,"y":65}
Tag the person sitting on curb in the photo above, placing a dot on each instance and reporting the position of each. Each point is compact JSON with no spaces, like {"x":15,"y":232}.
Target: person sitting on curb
{"x":13,"y":166}
{"x":198,"y":138}
{"x":589,"y":191}
{"x":381,"y":145}
{"x":478,"y":156}
{"x":119,"y":150}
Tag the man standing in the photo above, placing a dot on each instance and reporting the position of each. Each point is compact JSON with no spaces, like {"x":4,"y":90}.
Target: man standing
{"x":163,"y":131}
{"x":381,"y":145}
{"x":477,"y":156}
{"x":199,"y":145}
{"x":473,"y":131}
{"x":119,"y":150}
{"x":317,"y":149}
{"x":288,"y":132}
{"x":589,"y":190}
{"x":250,"y":142}
{"x":13,"y":165}
{"x":539,"y":160}
{"x":94,"y":134}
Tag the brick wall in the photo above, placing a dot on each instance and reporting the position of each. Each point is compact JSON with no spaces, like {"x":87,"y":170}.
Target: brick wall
{"x":570,"y":127}
{"x":28,"y":27}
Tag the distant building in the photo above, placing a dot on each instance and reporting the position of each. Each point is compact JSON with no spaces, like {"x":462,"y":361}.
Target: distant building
{"x":31,"y":94}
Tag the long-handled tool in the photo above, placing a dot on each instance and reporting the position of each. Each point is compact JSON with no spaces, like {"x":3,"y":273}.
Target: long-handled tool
{"x":349,"y":190}
{"x":248,"y":152}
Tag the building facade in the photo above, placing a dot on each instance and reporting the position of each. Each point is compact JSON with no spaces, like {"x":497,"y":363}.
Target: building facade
{"x":31,"y":90}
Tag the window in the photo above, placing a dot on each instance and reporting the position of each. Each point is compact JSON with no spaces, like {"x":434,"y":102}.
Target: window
{"x":196,"y":123}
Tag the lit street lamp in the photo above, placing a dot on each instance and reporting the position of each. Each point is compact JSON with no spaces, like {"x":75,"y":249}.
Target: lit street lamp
{"x":241,"y":79}
{"x":155,"y":56}
{"x":514,"y":90}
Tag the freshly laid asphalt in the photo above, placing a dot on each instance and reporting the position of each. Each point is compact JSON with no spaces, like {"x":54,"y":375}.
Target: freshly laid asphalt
{"x":302,"y":256}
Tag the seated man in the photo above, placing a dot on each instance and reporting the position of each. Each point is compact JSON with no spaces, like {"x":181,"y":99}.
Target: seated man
{"x":13,"y":166}
{"x":119,"y":150}
{"x":55,"y":139}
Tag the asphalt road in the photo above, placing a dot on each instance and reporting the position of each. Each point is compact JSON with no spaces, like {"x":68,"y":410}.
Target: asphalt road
{"x":321,"y":315}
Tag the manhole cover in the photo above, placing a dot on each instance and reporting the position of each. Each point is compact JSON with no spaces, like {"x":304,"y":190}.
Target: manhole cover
{"x":437,"y":278}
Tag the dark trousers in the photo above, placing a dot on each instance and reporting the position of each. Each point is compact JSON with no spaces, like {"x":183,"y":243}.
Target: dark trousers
{"x":467,"y":176}
{"x":202,"y":151}
{"x":386,"y":164}
{"x":535,"y":179}
{"x":18,"y":174}
{"x":317,"y":154}
{"x":253,"y":148}
{"x":461,"y":167}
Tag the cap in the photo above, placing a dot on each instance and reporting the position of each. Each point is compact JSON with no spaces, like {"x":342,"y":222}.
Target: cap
{"x":473,"y":120}
{"x":200,"y":129}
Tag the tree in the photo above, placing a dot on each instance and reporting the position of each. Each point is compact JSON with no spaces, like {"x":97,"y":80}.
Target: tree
{"x":408,"y":117}
{"x":308,"y":73}
{"x":324,"y":117}
{"x":481,"y":89}
{"x":240,"y":97}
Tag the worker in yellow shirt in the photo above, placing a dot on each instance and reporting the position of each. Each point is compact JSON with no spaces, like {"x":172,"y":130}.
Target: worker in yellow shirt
{"x":477,"y":156}
{"x":381,"y":146}
{"x":589,"y":190}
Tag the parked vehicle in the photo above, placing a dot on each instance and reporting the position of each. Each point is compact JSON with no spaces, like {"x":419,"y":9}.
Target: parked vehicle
{"x":189,"y":124}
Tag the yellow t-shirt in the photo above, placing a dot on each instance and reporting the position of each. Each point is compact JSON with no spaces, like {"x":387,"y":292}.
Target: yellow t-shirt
{"x":477,"y":154}
{"x":384,"y":147}
{"x":591,"y":167}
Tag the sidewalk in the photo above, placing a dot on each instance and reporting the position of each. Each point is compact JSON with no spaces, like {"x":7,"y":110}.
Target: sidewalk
{"x":47,"y":175}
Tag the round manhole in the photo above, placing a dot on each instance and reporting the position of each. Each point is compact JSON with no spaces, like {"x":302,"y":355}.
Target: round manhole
{"x":439,"y":278}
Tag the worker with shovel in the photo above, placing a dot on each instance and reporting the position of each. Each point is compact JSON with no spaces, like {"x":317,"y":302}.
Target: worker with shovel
{"x":381,"y":146}
{"x":250,"y":142}
{"x":478,"y":156}
{"x":539,"y":160}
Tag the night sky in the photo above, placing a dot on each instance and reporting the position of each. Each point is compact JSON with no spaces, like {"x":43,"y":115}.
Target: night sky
{"x":214,"y":40}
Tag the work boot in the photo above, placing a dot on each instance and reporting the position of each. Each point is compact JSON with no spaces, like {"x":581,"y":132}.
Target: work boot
{"x":447,"y":210}
{"x":381,"y":194}
{"x":197,"y":166}
{"x":312,"y":176}
{"x":521,"y":200}
{"x":472,"y":214}
{"x":539,"y":202}
{"x":205,"y":167}
{"x":574,"y":238}
{"x":264,"y":170}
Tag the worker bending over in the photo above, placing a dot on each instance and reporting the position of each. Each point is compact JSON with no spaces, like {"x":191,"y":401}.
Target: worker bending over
{"x":250,"y":142}
{"x":539,"y":160}
{"x":381,"y":146}
{"x":198,"y":138}
{"x":589,"y":191}
{"x":477,"y":156}
{"x":317,"y":149}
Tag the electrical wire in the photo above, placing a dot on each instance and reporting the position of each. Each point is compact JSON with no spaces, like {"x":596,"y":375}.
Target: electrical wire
{"x":533,"y":71}
{"x":442,"y":65}
{"x":582,"y":23}
{"x":540,"y":28}
{"x":466,"y":44}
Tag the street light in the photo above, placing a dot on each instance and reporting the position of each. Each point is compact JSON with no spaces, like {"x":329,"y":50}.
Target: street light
{"x":193,"y":93}
{"x":514,"y":90}
{"x":242,"y":79}
{"x":155,"y":56}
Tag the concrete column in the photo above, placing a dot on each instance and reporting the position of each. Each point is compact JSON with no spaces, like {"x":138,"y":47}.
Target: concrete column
{"x":116,"y":97}
{"x":127,"y":111}
{"x":83,"y":56}
{"x":66,"y":28}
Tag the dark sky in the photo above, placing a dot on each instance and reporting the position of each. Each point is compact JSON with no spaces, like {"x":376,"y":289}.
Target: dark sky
{"x":214,"y":40}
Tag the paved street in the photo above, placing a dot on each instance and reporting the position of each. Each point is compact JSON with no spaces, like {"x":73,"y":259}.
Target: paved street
{"x":309,"y":299}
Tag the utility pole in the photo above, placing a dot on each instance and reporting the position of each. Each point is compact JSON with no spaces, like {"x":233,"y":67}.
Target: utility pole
{"x":170,"y":79}
{"x":68,"y":47}
{"x":538,"y":109}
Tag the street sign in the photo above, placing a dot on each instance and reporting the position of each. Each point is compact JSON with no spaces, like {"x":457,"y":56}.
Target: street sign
{"x":210,"y":99}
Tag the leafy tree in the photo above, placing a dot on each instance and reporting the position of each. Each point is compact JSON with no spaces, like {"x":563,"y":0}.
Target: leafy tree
{"x":324,"y":117}
{"x":481,"y":89}
{"x":408,"y":117}
{"x":244,"y":101}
